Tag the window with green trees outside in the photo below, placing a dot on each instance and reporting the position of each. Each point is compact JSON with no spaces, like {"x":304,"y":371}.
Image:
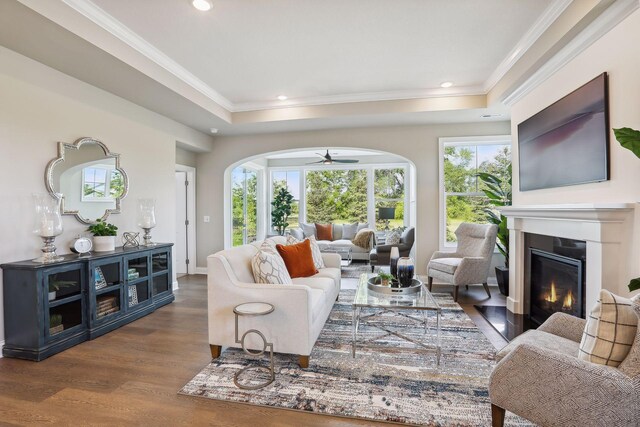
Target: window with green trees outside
{"x":389,"y":193}
{"x":244,"y":199}
{"x":336,"y":195}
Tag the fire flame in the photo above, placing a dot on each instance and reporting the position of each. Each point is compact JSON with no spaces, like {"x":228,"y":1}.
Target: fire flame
{"x":552,"y":297}
{"x":568,"y":301}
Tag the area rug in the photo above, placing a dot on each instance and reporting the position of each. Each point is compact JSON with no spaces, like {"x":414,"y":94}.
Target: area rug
{"x":390,"y":380}
{"x":355,"y":269}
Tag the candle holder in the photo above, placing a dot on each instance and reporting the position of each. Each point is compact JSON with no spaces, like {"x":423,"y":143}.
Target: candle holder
{"x":48,"y":225}
{"x":147,"y":219}
{"x":394,"y":255}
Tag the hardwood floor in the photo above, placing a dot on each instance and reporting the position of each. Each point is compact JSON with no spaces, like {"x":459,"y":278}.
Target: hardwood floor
{"x":131,"y":376}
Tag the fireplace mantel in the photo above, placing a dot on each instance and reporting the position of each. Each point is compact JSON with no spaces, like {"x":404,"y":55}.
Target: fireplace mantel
{"x":606,"y":228}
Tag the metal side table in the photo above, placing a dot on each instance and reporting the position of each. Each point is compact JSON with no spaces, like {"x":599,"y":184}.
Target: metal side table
{"x":254,"y":309}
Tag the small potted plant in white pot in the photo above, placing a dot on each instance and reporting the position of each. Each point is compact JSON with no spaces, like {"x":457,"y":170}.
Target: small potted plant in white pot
{"x":104,"y":236}
{"x":385,"y":278}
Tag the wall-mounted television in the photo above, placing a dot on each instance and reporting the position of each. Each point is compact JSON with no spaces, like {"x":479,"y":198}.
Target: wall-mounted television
{"x":567,"y":143}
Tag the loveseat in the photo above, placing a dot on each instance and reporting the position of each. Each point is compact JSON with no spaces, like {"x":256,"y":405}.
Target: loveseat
{"x":338,"y":242}
{"x":301,"y":309}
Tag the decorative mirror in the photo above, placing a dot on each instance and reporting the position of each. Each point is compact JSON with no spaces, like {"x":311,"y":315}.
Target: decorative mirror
{"x":88,"y":180}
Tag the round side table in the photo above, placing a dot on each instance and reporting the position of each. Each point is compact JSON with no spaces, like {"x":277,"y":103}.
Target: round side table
{"x":254,"y":309}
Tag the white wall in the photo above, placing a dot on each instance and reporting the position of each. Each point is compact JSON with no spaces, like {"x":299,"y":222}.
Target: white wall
{"x":617,"y":54}
{"x":39,"y":107}
{"x":186,"y":157}
{"x":417,"y":143}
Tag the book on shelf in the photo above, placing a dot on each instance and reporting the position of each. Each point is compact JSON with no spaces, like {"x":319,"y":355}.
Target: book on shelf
{"x":133,"y":276}
{"x":108,"y":311}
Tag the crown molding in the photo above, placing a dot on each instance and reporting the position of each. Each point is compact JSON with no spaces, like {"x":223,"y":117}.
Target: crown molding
{"x":98,"y":16}
{"x":541,"y":25}
{"x":360,"y":97}
{"x":611,"y":17}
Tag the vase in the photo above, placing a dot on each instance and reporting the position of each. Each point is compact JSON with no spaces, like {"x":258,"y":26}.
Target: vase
{"x":394,"y":255}
{"x":502,"y":277}
{"x":104,"y":243}
{"x":48,"y":225}
{"x":406,"y":269}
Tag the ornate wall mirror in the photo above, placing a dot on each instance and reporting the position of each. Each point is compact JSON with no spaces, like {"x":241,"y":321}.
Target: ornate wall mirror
{"x":88,"y":179}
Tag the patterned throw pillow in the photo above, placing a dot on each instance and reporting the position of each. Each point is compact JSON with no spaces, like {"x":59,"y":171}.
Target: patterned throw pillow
{"x":318,"y":262}
{"x":610,"y":330}
{"x":393,"y":238}
{"x":268,"y":266}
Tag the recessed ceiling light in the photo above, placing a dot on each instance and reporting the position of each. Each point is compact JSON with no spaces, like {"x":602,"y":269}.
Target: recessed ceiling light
{"x":446,"y":84}
{"x":213,"y":130}
{"x":282,"y":97}
{"x":488,"y":116}
{"x":202,"y":5}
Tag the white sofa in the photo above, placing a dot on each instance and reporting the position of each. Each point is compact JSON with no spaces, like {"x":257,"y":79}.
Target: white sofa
{"x":301,"y":309}
{"x":357,"y":252}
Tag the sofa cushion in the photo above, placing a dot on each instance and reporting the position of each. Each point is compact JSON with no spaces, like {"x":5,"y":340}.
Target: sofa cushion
{"x":298,"y":259}
{"x":316,"y":254}
{"x":541,"y":339}
{"x":325,"y":284}
{"x":269,"y":267}
{"x":308,"y":229}
{"x":324,"y":231}
{"x":331,"y":273}
{"x":362,"y":226}
{"x":610,"y":330}
{"x":447,"y":265}
{"x":349,"y":231}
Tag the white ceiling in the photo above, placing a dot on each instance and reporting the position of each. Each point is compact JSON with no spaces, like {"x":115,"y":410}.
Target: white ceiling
{"x":252,"y":51}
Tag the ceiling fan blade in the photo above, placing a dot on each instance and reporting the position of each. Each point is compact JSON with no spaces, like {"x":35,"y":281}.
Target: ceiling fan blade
{"x":345,"y":161}
{"x":315,"y":163}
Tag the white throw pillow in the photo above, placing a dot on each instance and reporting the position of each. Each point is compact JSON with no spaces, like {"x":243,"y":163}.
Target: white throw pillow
{"x":269,"y":267}
{"x":610,"y":330}
{"x":393,"y":238}
{"x":362,"y":225}
{"x":308,"y":229}
{"x":318,"y":262}
{"x":349,"y":231}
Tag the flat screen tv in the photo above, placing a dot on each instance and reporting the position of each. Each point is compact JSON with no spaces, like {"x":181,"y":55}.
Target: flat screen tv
{"x":567,"y":143}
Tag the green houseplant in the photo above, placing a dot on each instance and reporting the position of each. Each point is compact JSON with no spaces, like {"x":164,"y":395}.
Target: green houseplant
{"x":385,"y":278}
{"x":630,"y":139}
{"x":55,"y":324}
{"x":104,"y":235}
{"x":56,"y":285}
{"x":498,"y":190}
{"x":281,"y":209}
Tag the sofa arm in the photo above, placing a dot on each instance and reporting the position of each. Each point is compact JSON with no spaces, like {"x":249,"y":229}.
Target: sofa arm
{"x":332,"y":260}
{"x":387,"y":248}
{"x":471,"y":270}
{"x":565,"y":326}
{"x":551,"y":388}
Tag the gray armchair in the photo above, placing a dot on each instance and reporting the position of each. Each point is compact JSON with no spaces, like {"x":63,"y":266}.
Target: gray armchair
{"x":540,"y":378}
{"x":381,"y":254}
{"x":470,"y":263}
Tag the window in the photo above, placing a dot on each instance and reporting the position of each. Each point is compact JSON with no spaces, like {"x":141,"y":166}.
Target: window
{"x":101,"y":184}
{"x":461,"y":192}
{"x":289,"y":179}
{"x":244,"y":204}
{"x":336,"y":195}
{"x":389,"y":193}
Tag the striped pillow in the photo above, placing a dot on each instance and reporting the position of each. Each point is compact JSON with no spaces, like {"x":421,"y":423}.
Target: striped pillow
{"x":610,"y":330}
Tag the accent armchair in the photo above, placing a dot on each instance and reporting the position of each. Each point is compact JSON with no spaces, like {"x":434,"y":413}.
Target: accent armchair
{"x":381,"y":254}
{"x":470,"y":263}
{"x":539,"y":377}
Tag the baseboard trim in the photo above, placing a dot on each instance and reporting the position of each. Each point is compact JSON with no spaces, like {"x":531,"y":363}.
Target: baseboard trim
{"x":1,"y":346}
{"x":175,"y":285}
{"x":201,"y":270}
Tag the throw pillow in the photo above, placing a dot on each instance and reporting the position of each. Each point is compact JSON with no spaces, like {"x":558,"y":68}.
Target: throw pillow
{"x":298,"y":259}
{"x":349,"y":231}
{"x":269,"y":267}
{"x":363,"y":239}
{"x":315,"y":250}
{"x":363,"y":225}
{"x":393,"y":238}
{"x":324,"y":231}
{"x":610,"y":330}
{"x":631,"y":365}
{"x":308,"y":229}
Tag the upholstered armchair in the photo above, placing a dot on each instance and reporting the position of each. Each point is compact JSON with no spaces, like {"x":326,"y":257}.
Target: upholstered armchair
{"x":470,"y":263}
{"x":381,"y":254}
{"x":539,"y":377}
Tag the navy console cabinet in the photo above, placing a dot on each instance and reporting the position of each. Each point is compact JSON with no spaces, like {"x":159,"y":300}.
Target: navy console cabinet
{"x":51,"y":307}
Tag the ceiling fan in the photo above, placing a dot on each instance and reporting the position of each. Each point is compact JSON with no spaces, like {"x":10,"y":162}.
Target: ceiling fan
{"x":327,"y":160}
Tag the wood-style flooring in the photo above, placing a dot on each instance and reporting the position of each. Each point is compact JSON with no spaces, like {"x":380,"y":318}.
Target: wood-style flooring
{"x":131,"y":376}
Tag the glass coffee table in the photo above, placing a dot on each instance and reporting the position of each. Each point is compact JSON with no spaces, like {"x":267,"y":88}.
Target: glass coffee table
{"x":345,"y":253}
{"x":405,"y":305}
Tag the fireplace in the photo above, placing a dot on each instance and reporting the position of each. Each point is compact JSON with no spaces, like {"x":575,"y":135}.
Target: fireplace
{"x":556,"y":283}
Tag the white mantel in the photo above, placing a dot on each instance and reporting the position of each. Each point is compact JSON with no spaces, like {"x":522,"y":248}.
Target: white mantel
{"x":606,"y":228}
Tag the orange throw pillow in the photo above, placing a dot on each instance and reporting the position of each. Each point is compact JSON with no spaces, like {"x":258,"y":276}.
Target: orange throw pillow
{"x":324,"y":231}
{"x":298,"y":259}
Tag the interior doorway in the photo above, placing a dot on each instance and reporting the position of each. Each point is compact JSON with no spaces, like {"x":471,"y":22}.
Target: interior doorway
{"x":185,"y":244}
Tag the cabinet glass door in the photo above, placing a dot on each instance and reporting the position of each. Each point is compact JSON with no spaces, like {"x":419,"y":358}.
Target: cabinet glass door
{"x":137,"y":290}
{"x":64,"y":310}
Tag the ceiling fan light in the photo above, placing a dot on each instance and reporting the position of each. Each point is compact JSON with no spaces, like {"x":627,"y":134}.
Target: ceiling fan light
{"x":202,"y":5}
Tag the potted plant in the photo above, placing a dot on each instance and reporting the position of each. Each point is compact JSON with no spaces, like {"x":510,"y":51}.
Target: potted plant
{"x":498,"y":190}
{"x":630,"y":139}
{"x":56,"y":285}
{"x":281,"y":209}
{"x":385,"y":278}
{"x":55,"y":324}
{"x":104,"y":236}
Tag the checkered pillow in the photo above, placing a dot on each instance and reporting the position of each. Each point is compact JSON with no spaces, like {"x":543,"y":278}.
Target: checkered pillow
{"x":610,"y":330}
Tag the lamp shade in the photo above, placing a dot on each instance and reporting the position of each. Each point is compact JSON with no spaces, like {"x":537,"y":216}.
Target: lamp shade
{"x":386,"y":213}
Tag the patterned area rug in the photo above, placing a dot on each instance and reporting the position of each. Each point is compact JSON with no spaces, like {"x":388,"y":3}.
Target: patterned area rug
{"x":390,"y":379}
{"x":355,"y":269}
